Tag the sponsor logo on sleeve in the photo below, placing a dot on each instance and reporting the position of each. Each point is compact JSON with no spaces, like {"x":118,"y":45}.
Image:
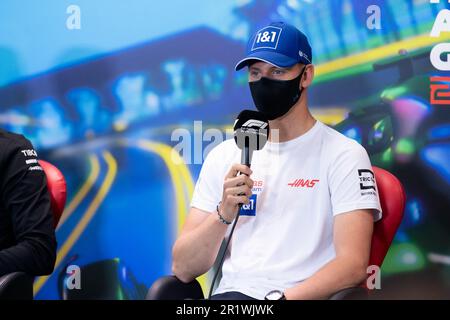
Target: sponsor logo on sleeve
{"x":31,"y":160}
{"x":29,"y":153}
{"x":366,"y":182}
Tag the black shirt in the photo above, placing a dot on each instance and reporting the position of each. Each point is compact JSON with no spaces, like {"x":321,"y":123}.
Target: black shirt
{"x":27,"y":236}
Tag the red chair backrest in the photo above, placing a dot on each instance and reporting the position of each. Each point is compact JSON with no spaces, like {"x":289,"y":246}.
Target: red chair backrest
{"x":56,"y":184}
{"x":392,"y":199}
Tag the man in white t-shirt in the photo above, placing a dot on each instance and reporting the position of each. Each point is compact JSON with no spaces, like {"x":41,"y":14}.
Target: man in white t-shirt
{"x":310,"y":196}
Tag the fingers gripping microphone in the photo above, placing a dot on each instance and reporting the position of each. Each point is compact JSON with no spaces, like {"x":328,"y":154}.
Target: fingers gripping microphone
{"x":251,"y":130}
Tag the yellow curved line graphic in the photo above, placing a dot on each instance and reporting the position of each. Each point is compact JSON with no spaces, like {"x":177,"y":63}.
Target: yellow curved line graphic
{"x":165,"y":152}
{"x":187,"y":178}
{"x":84,"y":190}
{"x":86,"y":218}
{"x":379,"y":53}
{"x":180,"y":176}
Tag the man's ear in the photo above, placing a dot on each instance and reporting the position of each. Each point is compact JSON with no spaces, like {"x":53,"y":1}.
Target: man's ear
{"x":308,"y":76}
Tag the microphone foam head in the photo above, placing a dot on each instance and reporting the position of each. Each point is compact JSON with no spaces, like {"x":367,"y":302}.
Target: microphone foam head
{"x":251,"y":128}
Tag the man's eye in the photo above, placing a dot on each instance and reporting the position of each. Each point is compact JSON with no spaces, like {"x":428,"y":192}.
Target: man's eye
{"x":254,"y":73}
{"x":278,"y":72}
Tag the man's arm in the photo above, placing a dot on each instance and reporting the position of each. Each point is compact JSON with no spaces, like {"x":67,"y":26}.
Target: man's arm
{"x":25,"y":197}
{"x":197,"y":247}
{"x":352,"y":240}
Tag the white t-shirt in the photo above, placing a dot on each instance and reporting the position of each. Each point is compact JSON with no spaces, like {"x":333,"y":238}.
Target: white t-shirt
{"x":286,"y":233}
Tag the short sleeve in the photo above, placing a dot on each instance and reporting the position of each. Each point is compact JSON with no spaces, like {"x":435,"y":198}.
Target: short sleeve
{"x":208,"y":189}
{"x":352,"y":183}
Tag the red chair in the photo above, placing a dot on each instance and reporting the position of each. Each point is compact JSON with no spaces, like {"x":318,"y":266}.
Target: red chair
{"x":56,"y":185}
{"x":392,"y":200}
{"x":19,"y":285}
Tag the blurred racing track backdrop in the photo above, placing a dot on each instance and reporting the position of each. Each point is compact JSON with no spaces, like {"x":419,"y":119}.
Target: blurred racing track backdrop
{"x":105,"y":115}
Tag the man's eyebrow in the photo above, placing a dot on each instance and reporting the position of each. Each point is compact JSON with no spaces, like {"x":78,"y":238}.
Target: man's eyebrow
{"x":254,"y":68}
{"x":281,"y":68}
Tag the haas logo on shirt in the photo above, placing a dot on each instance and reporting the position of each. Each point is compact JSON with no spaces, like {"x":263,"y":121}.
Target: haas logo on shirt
{"x":300,"y":183}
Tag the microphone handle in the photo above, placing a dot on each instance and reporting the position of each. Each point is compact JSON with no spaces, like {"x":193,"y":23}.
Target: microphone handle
{"x":246,"y":155}
{"x":245,"y":159}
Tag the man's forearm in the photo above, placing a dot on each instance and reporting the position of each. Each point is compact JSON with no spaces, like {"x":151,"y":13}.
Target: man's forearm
{"x":336,"y":275}
{"x":195,"y":252}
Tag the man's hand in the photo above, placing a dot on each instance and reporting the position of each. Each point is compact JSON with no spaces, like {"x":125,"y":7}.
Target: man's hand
{"x":236,"y":190}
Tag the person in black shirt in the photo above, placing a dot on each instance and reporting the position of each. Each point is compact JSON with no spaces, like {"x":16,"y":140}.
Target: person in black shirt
{"x":27,"y":236}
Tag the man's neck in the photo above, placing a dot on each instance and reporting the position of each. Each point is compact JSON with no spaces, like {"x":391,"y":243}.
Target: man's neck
{"x":293,"y":124}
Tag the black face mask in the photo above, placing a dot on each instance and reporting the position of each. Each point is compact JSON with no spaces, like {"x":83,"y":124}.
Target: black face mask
{"x":274,"y":98}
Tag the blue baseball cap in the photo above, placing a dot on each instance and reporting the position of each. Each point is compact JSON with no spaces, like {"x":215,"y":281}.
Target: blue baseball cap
{"x":280,"y":44}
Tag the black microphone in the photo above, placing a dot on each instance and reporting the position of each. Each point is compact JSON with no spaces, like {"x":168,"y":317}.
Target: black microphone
{"x":251,"y":130}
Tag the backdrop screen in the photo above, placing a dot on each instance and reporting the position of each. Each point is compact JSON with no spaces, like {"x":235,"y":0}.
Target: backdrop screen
{"x":109,"y":100}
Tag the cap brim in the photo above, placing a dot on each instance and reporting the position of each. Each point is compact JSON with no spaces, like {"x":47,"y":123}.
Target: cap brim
{"x":274,"y":58}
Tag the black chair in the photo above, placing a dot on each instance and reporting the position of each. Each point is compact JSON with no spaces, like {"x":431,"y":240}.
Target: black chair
{"x":16,"y":286}
{"x":108,"y":279}
{"x":171,"y":288}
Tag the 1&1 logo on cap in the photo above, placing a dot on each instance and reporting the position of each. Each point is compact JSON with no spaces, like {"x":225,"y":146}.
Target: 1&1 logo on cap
{"x":267,"y":37}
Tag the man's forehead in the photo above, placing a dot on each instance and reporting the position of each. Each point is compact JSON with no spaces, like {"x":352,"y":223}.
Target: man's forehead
{"x":261,"y":65}
{"x":265,"y":65}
